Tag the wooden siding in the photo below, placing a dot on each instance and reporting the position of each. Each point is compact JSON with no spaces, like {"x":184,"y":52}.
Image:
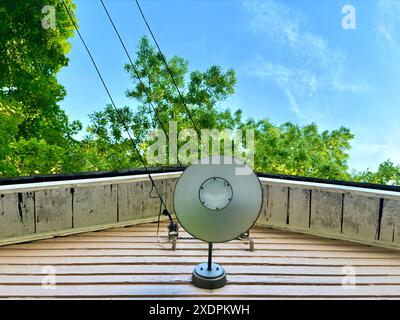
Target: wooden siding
{"x":130,"y":263}
{"x":39,"y":210}
{"x":66,"y":208}
{"x":348,"y":213}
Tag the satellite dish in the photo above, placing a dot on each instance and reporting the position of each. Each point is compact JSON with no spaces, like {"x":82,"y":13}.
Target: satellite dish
{"x":216,"y":200}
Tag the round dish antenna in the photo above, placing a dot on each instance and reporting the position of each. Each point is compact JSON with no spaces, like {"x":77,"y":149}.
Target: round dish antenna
{"x":216,"y":200}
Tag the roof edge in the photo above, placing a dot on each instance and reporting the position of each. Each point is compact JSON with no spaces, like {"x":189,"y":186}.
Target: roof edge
{"x":155,"y":170}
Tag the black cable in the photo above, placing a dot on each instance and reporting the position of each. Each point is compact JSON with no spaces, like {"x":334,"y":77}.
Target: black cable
{"x":139,"y":78}
{"x":169,"y":71}
{"x":116,"y":109}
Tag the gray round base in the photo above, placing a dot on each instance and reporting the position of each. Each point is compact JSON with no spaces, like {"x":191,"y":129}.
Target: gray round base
{"x":209,"y":279}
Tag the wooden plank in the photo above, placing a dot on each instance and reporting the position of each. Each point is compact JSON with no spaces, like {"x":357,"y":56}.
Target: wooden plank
{"x":130,"y":201}
{"x":195,"y":253}
{"x":326,"y":211}
{"x":186,"y":279}
{"x":170,"y":187}
{"x":277,"y":205}
{"x":53,"y":209}
{"x":95,"y":205}
{"x":151,"y":202}
{"x":35,"y":186}
{"x":185,"y":236}
{"x":183,"y":290}
{"x":151,"y":226}
{"x":164,"y":224}
{"x":262,"y":219}
{"x":327,"y":187}
{"x":153,"y":239}
{"x":71,"y":231}
{"x":177,"y":260}
{"x":390,"y":224}
{"x":299,"y":206}
{"x":182,"y":234}
{"x":360,"y":216}
{"x":188,"y":268}
{"x":17,"y":211}
{"x":190,"y":246}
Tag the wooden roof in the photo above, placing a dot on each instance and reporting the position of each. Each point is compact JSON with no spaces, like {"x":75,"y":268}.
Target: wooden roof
{"x":130,"y":263}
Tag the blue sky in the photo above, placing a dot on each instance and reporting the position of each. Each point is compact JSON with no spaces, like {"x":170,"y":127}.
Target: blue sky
{"x":293,"y":60}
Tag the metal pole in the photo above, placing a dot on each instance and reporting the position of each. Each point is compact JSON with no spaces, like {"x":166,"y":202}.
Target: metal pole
{"x":210,"y":246}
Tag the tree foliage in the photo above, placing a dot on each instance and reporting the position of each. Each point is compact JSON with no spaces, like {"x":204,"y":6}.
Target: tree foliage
{"x":387,"y":173}
{"x":285,"y":149}
{"x":304,"y":151}
{"x":36,"y":136}
{"x":201,"y":91}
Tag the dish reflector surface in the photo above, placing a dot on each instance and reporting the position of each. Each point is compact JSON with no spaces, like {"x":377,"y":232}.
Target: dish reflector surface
{"x":214,"y":203}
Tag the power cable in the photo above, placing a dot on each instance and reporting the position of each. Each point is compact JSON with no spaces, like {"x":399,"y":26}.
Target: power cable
{"x":165,"y":212}
{"x":139,"y":78}
{"x":170,"y":72}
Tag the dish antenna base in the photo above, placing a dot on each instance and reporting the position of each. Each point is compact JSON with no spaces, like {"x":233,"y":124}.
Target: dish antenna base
{"x":209,"y":275}
{"x":204,"y":278}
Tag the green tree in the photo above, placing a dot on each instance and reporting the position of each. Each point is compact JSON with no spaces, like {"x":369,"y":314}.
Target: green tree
{"x":107,"y":145}
{"x":36,"y":129}
{"x":202,"y":92}
{"x":387,"y":173}
{"x":285,"y":149}
{"x":303,"y":151}
{"x":36,"y":135}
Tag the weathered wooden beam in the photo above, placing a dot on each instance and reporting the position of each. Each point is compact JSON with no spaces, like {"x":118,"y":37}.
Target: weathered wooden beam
{"x":54,"y":209}
{"x":360,"y":217}
{"x":390,"y":222}
{"x":130,"y":201}
{"x":171,"y":183}
{"x":17,"y":214}
{"x":299,"y":208}
{"x":95,"y":205}
{"x":277,"y":205}
{"x":151,"y":202}
{"x":262,"y":219}
{"x":326,"y":212}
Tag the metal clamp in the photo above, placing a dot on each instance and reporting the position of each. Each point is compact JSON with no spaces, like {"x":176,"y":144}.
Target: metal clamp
{"x":246,"y":237}
{"x":173,"y":233}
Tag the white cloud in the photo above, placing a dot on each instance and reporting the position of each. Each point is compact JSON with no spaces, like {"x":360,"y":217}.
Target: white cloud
{"x":388,"y":23}
{"x":370,"y":154}
{"x":292,"y":82}
{"x":314,"y":67}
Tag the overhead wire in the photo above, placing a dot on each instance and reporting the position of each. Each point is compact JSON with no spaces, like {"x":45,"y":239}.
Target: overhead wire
{"x":182,"y":99}
{"x":139,"y":78}
{"x":137,"y":74}
{"x":117,"y":111}
{"x":164,"y":60}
